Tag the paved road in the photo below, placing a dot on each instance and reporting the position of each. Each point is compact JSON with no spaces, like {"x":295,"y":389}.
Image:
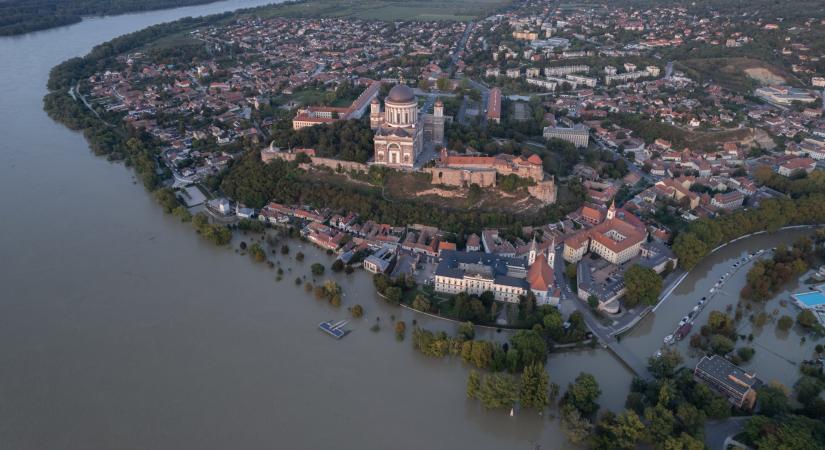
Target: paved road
{"x":460,"y":47}
{"x":717,"y":431}
{"x":632,"y":361}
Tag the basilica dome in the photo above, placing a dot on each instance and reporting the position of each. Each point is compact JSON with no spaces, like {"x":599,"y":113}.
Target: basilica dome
{"x":401,"y":94}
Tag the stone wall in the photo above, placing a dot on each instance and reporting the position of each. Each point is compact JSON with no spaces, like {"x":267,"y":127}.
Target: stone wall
{"x":317,"y":161}
{"x":545,"y":191}
{"x":462,"y":177}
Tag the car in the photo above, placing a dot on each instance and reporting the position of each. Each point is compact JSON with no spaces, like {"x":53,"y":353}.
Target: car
{"x":682,"y":322}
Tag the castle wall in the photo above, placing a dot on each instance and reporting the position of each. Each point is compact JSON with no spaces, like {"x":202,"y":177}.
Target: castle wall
{"x":317,"y":161}
{"x":462,"y":177}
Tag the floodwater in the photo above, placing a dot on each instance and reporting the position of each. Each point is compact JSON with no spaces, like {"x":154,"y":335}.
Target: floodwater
{"x":777,"y":353}
{"x":121,"y":328}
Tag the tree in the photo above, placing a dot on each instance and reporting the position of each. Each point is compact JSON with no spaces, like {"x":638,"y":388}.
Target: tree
{"x":317,"y":269}
{"x":660,"y":423}
{"x":806,"y":318}
{"x":787,"y":432}
{"x":400,"y":330}
{"x":473,"y":384}
{"x":553,"y":323}
{"x":689,"y":249}
{"x":808,"y":388}
{"x":466,"y":331}
{"x":664,"y":366}
{"x":691,"y":418}
{"x":257,"y":253}
{"x":570,"y":271}
{"x":357,"y":311}
{"x":683,"y":442}
{"x":582,"y":394}
{"x":643,"y":286}
{"x":593,"y":301}
{"x":773,"y":400}
{"x":481,"y":354}
{"x":576,"y":427}
{"x":533,"y":389}
{"x":717,"y":407}
{"x":745,"y":353}
{"x":721,"y":345}
{"x":619,"y":432}
{"x":784,"y":323}
{"x":393,"y":294}
{"x":498,"y":391}
{"x":421,"y":303}
{"x":530,"y":346}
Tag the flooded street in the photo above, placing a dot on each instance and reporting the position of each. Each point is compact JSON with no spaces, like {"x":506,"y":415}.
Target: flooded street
{"x":777,"y":353}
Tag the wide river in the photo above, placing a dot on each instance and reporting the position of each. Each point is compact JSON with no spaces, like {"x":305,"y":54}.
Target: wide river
{"x":120,"y":328}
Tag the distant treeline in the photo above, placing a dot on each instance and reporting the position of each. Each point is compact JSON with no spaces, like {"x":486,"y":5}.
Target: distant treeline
{"x":23,"y":16}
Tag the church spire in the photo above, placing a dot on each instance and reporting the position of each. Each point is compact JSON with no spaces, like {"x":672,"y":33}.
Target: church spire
{"x":611,"y":213}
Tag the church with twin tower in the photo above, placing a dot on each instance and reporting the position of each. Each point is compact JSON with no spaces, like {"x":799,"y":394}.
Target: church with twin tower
{"x":401,"y":132}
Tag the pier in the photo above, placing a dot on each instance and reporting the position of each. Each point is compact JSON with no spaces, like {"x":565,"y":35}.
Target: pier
{"x":334,"y":329}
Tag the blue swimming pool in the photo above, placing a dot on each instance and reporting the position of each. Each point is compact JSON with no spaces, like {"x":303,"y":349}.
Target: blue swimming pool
{"x":811,"y":299}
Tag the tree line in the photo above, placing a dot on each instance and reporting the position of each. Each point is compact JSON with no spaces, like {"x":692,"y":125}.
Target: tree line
{"x":703,"y":235}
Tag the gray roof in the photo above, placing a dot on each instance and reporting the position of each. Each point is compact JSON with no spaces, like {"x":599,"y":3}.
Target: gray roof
{"x":726,"y":372}
{"x":401,"y":94}
{"x":454,"y":264}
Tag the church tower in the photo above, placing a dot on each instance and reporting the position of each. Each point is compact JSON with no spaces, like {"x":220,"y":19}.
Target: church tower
{"x":611,"y":213}
{"x":551,"y":254}
{"x":375,"y":113}
{"x":531,"y":257}
{"x":438,"y":123}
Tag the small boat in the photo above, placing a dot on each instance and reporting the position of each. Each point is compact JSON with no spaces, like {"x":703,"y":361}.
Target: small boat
{"x":683,"y":331}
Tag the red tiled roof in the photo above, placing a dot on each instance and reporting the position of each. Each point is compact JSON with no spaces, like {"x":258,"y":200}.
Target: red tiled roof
{"x":540,"y":276}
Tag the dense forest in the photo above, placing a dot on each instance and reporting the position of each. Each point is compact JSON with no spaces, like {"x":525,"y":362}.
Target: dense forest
{"x":23,"y":16}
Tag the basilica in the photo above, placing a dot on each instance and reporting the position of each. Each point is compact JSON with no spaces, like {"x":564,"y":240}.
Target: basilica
{"x":401,"y":132}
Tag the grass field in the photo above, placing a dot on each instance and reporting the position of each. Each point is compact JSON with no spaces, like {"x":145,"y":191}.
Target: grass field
{"x":460,"y":10}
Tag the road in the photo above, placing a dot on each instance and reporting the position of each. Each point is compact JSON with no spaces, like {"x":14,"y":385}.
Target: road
{"x":717,"y":431}
{"x":632,"y":361}
{"x":459,"y":47}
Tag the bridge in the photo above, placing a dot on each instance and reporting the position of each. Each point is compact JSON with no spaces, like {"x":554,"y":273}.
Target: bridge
{"x":629,"y":359}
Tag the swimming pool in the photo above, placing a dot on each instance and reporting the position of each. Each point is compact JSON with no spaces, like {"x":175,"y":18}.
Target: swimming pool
{"x":814,"y":299}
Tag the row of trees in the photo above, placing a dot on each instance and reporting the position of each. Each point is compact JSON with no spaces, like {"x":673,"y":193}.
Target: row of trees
{"x":703,"y":235}
{"x":525,"y":348}
{"x":500,"y":391}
